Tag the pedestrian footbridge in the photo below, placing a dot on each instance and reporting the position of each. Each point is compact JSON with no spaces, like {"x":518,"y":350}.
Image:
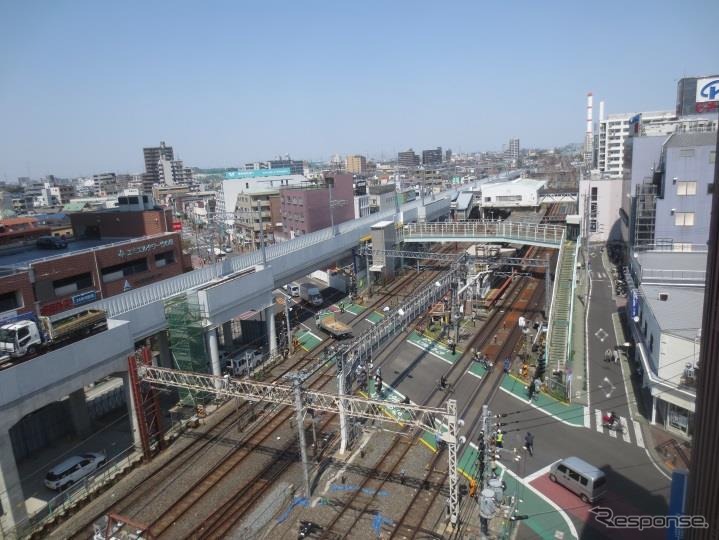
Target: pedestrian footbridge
{"x":510,"y":232}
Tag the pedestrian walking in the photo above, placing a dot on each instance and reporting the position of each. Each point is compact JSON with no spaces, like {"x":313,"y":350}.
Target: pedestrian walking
{"x":500,"y":439}
{"x":530,"y":390}
{"x":529,"y":443}
{"x":537,"y":386}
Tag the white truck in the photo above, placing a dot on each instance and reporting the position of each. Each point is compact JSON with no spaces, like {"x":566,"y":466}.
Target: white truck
{"x":244,"y":364}
{"x":28,"y":337}
{"x":310,"y":294}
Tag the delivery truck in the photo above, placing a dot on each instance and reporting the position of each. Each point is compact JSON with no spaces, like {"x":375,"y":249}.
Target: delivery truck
{"x":28,"y":337}
{"x":310,"y":294}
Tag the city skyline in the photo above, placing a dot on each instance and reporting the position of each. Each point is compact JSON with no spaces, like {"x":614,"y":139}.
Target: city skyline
{"x":218,"y":85}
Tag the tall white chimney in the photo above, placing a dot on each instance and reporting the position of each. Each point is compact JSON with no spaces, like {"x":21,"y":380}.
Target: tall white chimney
{"x":589,"y":113}
{"x":601,"y":110}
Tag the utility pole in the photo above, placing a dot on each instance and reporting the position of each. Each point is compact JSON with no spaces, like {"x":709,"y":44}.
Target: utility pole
{"x":300,"y":410}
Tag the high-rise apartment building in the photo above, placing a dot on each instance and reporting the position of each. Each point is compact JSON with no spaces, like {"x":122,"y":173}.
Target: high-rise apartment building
{"x":105,"y":184}
{"x":614,"y":130}
{"x":153,"y":155}
{"x":432,"y":157}
{"x":356,"y":164}
{"x":513,"y":150}
{"x":171,"y":173}
{"x":408,"y":158}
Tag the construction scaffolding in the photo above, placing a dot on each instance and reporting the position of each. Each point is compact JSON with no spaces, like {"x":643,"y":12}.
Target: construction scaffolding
{"x":644,"y":224}
{"x":187,"y":341}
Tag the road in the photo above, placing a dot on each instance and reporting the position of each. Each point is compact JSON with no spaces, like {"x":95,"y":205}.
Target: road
{"x":413,"y":367}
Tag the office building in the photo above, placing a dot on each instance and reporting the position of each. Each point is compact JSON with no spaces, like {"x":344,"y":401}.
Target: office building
{"x":448,"y":155}
{"x":153,"y":155}
{"x":295,"y":166}
{"x":668,"y":190}
{"x":432,"y":157}
{"x":310,"y":207}
{"x":253,"y":181}
{"x":698,"y":95}
{"x":408,"y":159}
{"x":356,"y":164}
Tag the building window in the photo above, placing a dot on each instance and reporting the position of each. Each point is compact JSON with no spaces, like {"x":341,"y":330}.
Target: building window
{"x":72,"y":284}
{"x":710,"y":188}
{"x":684,"y":219}
{"x":712,"y":156}
{"x":651,"y":343}
{"x":686,"y":152}
{"x":119,"y":271}
{"x":163,"y":259}
{"x":686,"y":188}
{"x":10,"y":300}
{"x":645,"y":328}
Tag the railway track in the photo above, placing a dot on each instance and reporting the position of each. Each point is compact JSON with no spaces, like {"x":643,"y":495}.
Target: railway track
{"x":190,"y":453}
{"x":345,"y":521}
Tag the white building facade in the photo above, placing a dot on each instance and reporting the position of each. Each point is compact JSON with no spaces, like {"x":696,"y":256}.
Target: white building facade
{"x":613,"y":130}
{"x":600,"y":207}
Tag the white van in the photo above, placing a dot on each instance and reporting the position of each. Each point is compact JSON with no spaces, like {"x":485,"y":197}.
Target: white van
{"x":294,"y":289}
{"x":579,"y":477}
{"x":74,"y":469}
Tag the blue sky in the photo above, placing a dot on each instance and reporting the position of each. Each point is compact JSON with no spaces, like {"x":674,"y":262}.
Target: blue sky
{"x":84,"y":85}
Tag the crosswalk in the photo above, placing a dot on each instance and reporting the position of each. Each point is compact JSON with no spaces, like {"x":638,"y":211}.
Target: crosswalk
{"x":629,"y":428}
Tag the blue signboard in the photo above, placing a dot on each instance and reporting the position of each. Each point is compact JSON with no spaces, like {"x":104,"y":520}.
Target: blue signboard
{"x":259,"y":173}
{"x":677,"y":501}
{"x":84,"y":298}
{"x":635,"y":303}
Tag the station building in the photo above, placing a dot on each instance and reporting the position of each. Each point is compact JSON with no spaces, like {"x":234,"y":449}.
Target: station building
{"x":517,"y":193}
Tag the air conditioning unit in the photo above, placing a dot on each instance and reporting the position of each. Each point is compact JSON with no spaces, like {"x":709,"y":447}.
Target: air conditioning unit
{"x":663,"y":296}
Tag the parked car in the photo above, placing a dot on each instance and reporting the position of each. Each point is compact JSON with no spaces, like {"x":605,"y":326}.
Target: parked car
{"x":74,"y":469}
{"x":51,"y":242}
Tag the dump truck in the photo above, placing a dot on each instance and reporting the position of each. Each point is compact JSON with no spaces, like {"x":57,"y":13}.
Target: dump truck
{"x":310,"y":294}
{"x":28,"y":337}
{"x":335,"y":328}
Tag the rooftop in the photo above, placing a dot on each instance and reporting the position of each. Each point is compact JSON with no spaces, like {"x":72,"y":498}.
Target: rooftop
{"x":681,"y":313}
{"x":673,"y":260}
{"x":702,"y":138}
{"x":24,"y":258}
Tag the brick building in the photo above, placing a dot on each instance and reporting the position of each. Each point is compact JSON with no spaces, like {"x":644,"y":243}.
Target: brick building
{"x":306,"y":208}
{"x":53,"y":284}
